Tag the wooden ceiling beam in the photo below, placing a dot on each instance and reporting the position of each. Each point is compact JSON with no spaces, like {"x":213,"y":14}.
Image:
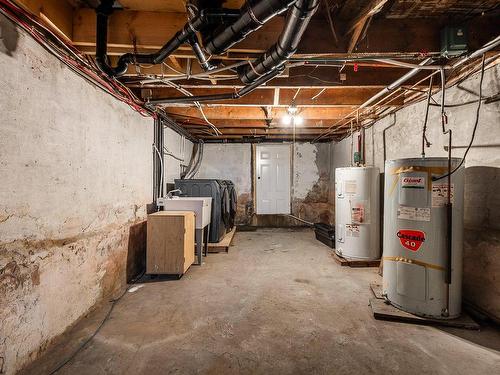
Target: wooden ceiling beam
{"x":250,"y":124}
{"x":263,"y":131}
{"x":151,"y":30}
{"x":281,"y":137}
{"x":368,"y":9}
{"x":255,"y":113}
{"x":304,"y":77}
{"x":56,"y":13}
{"x":266,"y":97}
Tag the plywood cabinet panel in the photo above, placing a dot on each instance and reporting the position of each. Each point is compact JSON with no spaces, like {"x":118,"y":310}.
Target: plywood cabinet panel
{"x":170,"y":242}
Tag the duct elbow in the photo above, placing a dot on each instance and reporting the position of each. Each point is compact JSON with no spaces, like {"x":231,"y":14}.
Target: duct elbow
{"x":253,"y":16}
{"x":296,"y":24}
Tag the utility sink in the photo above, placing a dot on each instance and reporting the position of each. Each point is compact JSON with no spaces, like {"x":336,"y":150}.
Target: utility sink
{"x":202,"y":207}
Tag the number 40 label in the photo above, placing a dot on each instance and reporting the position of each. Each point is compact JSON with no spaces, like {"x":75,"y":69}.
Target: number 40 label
{"x":411,"y":239}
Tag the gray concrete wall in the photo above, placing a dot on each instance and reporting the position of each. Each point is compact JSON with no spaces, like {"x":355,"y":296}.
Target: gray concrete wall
{"x":482,"y":187}
{"x":75,"y":172}
{"x":310,"y":187}
{"x":181,"y":148}
{"x":231,"y":161}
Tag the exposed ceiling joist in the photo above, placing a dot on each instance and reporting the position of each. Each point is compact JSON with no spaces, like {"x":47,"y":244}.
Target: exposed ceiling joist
{"x":324,"y":94}
{"x":335,"y":97}
{"x":153,"y":29}
{"x":255,"y":113}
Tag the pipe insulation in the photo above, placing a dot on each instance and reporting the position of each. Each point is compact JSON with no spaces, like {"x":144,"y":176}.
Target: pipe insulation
{"x":297,"y":20}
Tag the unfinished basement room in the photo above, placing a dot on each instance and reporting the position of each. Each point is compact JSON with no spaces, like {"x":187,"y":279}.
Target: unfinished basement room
{"x":249,"y":187}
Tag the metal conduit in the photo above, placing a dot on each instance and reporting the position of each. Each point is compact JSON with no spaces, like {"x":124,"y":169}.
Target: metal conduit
{"x":395,"y":84}
{"x":487,"y":47}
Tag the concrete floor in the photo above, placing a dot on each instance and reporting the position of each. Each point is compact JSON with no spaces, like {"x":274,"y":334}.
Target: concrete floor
{"x":276,"y":304}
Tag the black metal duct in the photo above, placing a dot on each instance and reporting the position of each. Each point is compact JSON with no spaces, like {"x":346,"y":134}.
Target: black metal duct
{"x":186,"y":35}
{"x":296,"y":23}
{"x":254,"y":14}
{"x":270,"y":64}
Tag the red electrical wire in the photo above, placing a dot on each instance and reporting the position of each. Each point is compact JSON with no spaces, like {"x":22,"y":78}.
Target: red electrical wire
{"x":71,"y":56}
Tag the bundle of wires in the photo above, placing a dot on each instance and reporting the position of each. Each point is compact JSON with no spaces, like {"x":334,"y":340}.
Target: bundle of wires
{"x":71,"y":56}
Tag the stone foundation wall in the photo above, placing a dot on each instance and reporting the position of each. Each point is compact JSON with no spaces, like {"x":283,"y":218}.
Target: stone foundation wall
{"x":75,"y":180}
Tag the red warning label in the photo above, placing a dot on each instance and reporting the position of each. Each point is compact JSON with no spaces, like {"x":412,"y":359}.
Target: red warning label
{"x":411,"y":239}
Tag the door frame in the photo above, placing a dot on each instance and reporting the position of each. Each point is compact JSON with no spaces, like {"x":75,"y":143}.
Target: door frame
{"x":254,"y":172}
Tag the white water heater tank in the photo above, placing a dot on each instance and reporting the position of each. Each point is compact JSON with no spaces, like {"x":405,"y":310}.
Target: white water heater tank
{"x":415,"y":253}
{"x":357,"y":213}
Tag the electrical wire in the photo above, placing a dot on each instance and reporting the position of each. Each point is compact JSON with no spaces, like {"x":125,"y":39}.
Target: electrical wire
{"x":318,"y":94}
{"x":296,"y":94}
{"x":106,"y":318}
{"x":484,"y":99}
{"x":487,"y":47}
{"x":425,"y":141}
{"x":309,"y":75}
{"x":197,"y":104}
{"x":160,"y":157}
{"x":69,"y":55}
{"x":193,"y":169}
{"x":476,"y":122}
{"x":167,"y":152}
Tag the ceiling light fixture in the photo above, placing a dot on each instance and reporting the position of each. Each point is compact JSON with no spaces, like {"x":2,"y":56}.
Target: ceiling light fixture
{"x":286,"y":120}
{"x":292,"y":116}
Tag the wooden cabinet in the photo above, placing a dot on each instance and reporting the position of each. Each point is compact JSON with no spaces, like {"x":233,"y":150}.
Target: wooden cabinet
{"x":170,"y":242}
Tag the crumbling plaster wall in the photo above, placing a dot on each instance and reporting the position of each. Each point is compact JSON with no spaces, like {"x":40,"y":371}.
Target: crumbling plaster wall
{"x":482,"y":186}
{"x":75,"y":172}
{"x":311,"y":194}
{"x":310,"y":187}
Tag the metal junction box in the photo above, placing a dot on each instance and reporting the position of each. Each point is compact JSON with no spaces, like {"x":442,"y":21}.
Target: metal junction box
{"x":453,"y":41}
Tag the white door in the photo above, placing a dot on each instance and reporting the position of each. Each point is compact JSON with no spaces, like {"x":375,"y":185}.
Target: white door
{"x":273,"y":179}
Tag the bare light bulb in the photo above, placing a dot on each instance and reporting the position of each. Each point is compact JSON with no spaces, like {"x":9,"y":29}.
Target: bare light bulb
{"x":286,"y":120}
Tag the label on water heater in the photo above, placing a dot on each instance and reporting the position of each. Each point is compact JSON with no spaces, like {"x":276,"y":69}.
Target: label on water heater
{"x":440,"y":194}
{"x":408,"y":182}
{"x":414,"y":213}
{"x":350,"y":187}
{"x":411,"y":239}
{"x":352,"y":230}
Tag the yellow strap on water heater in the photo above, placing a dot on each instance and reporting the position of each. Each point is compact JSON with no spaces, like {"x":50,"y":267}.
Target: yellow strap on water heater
{"x":413,"y":261}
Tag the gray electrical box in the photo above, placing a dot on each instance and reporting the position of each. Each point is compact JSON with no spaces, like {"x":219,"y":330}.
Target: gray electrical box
{"x":453,"y":41}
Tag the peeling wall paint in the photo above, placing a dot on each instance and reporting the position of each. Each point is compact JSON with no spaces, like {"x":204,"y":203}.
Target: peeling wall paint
{"x":306,"y":173}
{"x":310,"y":188}
{"x":75,"y":172}
{"x":482,"y":173}
{"x":311,"y":198}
